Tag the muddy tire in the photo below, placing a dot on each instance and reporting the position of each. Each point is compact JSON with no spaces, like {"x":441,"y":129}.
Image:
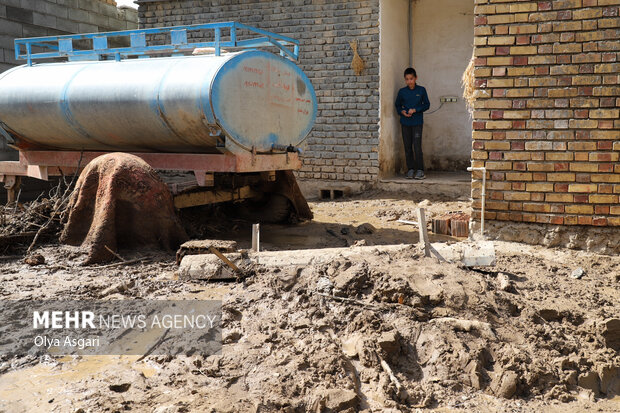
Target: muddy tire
{"x":272,"y":209}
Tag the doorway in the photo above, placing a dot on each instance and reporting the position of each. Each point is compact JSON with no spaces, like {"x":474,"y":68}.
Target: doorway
{"x":436,"y":38}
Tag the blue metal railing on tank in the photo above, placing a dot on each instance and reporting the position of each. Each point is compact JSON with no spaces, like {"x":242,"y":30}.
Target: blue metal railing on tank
{"x":95,"y":46}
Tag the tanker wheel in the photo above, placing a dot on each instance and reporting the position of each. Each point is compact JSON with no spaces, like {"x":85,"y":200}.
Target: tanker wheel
{"x":269,"y":209}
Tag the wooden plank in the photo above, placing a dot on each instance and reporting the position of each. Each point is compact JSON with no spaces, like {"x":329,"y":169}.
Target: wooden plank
{"x":224,"y":259}
{"x":196,"y":247}
{"x":256,"y":237}
{"x":423,"y":232}
{"x":191,"y":199}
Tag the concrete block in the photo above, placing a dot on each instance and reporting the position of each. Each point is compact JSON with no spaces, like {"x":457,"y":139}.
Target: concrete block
{"x":29,"y":30}
{"x":116,"y":24}
{"x":6,"y":41}
{"x":98,"y":20}
{"x":68,"y":26}
{"x":29,"y":4}
{"x":108,"y":9}
{"x":9,"y":57}
{"x":13,"y":3}
{"x":78,"y":15}
{"x":88,"y":28}
{"x":45,"y":20}
{"x":90,"y":5}
{"x":12,"y":28}
{"x":57,"y":10}
{"x":19,"y":14}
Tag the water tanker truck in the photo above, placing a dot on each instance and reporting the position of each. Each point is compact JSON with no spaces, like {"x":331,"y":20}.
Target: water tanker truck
{"x":227,"y":116}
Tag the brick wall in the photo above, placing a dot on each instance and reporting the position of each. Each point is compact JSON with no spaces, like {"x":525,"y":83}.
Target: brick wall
{"x":33,"y":18}
{"x":546,"y":122}
{"x":344,"y":142}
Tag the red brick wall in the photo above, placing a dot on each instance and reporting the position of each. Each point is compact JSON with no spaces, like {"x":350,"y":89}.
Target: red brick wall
{"x":546,"y":121}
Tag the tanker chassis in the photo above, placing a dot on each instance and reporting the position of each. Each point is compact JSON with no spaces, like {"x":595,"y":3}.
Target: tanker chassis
{"x":222,"y":120}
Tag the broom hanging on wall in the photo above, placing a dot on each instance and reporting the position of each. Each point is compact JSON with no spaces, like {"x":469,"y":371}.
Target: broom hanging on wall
{"x":357,"y":64}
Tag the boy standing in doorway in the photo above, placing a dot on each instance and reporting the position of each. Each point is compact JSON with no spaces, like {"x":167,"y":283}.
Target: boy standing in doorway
{"x":411,"y":102}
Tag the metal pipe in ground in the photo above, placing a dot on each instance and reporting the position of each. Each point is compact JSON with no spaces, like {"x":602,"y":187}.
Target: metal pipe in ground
{"x":484,"y":186}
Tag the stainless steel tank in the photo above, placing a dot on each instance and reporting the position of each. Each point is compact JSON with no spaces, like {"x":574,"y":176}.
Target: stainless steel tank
{"x":172,"y":104}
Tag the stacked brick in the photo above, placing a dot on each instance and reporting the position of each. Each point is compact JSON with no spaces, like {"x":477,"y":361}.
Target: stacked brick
{"x":344,"y":142}
{"x":546,"y":121}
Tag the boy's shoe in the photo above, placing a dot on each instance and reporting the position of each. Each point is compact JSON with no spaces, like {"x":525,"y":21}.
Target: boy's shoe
{"x":410,"y":174}
{"x":419,"y":175}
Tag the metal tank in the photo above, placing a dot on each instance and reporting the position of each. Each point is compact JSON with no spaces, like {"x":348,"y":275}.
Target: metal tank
{"x":171,"y":104}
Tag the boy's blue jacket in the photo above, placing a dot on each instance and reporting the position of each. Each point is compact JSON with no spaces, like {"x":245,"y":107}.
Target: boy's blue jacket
{"x":415,"y":98}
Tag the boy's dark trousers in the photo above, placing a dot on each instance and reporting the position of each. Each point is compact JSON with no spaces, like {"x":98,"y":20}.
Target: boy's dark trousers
{"x":412,"y":138}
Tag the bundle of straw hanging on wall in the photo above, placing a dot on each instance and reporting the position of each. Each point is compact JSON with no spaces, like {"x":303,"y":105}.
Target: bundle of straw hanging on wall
{"x":357,"y":64}
{"x":469,"y":86}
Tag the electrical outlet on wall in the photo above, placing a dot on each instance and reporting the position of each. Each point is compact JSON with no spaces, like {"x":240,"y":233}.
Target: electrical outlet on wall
{"x":446,"y":99}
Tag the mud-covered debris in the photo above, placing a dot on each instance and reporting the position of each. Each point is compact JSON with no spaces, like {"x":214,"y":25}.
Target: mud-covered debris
{"x":506,"y":385}
{"x":120,"y":201}
{"x":389,"y":343}
{"x":505,"y":284}
{"x":551,"y":314}
{"x":287,"y":278}
{"x":324,"y":285}
{"x":196,"y":247}
{"x":120,"y":388}
{"x":365,"y":228}
{"x":337,"y":400}
{"x":611,"y":333}
{"x":352,"y":346}
{"x":589,"y":381}
{"x":609,"y":376}
{"x":35,"y":259}
{"x":351,"y":281}
{"x":117,"y":288}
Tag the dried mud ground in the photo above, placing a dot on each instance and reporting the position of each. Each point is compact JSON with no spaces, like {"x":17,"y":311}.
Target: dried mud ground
{"x":386,"y":329}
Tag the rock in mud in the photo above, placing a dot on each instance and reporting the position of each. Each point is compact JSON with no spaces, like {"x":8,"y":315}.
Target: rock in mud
{"x":287,"y":278}
{"x":505,"y":284}
{"x":475,"y":376}
{"x":337,"y":400}
{"x":390,"y":343}
{"x":506,"y":385}
{"x":551,"y":314}
{"x":609,"y":379}
{"x":365,"y":229}
{"x":577,"y":273}
{"x":35,"y":259}
{"x":352,"y":280}
{"x":118,"y":288}
{"x":589,"y":381}
{"x":353,"y":345}
{"x":120,"y":388}
{"x":611,"y":333}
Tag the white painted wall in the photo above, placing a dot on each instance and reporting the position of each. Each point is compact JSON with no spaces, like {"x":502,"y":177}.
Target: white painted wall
{"x":441,"y":46}
{"x":443,"y":36}
{"x":393,"y":60}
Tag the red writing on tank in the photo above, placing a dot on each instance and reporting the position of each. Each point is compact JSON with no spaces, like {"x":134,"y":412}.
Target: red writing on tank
{"x":250,"y":69}
{"x":250,"y":84}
